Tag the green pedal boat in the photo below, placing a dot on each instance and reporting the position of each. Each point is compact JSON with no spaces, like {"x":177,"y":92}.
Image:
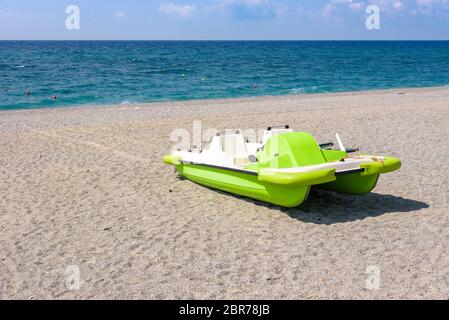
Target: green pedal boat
{"x":282,"y":169}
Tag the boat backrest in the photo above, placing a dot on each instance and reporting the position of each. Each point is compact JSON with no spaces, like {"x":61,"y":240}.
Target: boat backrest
{"x":306,"y":149}
{"x":274,"y":131}
{"x":295,"y":149}
{"x":233,"y":145}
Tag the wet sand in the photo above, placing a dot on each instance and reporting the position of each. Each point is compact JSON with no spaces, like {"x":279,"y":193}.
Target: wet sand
{"x":86,"y":187}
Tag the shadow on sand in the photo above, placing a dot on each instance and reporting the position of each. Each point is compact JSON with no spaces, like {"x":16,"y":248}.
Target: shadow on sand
{"x":326,"y":207}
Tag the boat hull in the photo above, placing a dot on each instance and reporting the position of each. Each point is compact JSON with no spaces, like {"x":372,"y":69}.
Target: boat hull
{"x":245,"y":184}
{"x":353,"y":184}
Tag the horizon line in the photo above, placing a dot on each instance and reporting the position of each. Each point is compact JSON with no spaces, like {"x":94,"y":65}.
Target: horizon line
{"x":228,"y":40}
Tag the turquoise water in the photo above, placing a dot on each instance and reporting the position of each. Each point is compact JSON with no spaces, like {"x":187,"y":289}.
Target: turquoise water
{"x":102,"y":72}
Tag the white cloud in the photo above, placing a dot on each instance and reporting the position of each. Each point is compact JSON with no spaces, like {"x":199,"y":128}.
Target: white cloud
{"x":249,"y":3}
{"x":251,"y":9}
{"x":333,"y":9}
{"x":428,"y":7}
{"x":119,"y":15}
{"x":425,"y":2}
{"x":9,"y":15}
{"x":355,"y":6}
{"x":389,"y":6}
{"x":174,"y":9}
{"x":338,"y":11}
{"x":398,"y":4}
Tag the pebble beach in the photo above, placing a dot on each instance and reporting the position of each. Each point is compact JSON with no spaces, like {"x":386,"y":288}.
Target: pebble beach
{"x":85,"y":189}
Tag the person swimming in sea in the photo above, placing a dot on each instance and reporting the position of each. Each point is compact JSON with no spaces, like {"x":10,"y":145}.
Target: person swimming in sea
{"x":28,"y":93}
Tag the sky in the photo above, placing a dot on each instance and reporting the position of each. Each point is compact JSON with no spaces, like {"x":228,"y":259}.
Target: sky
{"x":224,"y":20}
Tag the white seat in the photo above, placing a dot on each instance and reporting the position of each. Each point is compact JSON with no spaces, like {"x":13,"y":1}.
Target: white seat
{"x":228,"y":150}
{"x":234,"y":145}
{"x":231,"y":145}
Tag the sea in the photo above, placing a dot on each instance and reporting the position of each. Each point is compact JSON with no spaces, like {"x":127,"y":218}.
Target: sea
{"x":49,"y":74}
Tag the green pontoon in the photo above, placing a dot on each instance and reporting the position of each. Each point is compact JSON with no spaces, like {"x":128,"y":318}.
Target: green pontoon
{"x":282,"y":169}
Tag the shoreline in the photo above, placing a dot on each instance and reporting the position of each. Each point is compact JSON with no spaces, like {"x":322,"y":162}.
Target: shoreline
{"x":229,"y":100}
